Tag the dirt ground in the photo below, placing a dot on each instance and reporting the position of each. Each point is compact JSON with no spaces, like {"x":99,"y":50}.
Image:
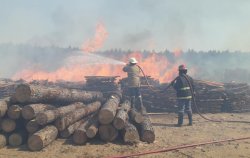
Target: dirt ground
{"x":166,"y":136}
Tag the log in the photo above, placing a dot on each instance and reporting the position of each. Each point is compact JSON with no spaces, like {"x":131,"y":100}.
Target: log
{"x":3,"y":107}
{"x":130,"y":134}
{"x":26,"y":93}
{"x":93,"y":128}
{"x":17,"y":138}
{"x":8,"y":125}
{"x":122,"y":115}
{"x":49,"y":116}
{"x":80,"y":136}
{"x":14,"y":112}
{"x":147,"y":133}
{"x":32,"y":126}
{"x":3,"y":141}
{"x":42,"y":138}
{"x":108,"y":111}
{"x":108,"y":133}
{"x":63,"y":122}
{"x":136,"y":116}
{"x":71,"y":129}
{"x":30,"y":111}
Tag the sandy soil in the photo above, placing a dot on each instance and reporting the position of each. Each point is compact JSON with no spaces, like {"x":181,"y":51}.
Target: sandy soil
{"x":166,"y":136}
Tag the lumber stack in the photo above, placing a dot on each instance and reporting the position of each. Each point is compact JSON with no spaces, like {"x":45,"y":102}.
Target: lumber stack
{"x":211,"y":97}
{"x":105,"y":84}
{"x":38,"y":114}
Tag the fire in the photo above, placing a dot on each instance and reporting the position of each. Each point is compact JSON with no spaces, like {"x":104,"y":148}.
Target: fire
{"x":98,"y":41}
{"x":153,"y":64}
{"x":76,"y":67}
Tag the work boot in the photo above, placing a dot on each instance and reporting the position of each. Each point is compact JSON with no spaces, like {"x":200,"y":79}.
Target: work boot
{"x":190,"y":119}
{"x":180,"y":120}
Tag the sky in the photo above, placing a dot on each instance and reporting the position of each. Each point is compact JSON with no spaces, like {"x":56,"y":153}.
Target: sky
{"x":131,"y":24}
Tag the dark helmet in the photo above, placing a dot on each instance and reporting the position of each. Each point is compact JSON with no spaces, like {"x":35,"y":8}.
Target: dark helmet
{"x":182,"y":67}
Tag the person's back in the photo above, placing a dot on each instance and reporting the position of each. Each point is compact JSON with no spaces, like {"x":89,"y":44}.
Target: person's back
{"x":133,"y":82}
{"x":133,"y":73}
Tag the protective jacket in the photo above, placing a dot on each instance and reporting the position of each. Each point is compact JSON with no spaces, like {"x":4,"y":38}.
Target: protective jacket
{"x":133,"y":72}
{"x":182,"y":87}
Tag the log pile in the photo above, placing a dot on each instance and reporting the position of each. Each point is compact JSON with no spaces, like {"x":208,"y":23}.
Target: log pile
{"x":237,"y":97}
{"x":37,"y":115}
{"x":211,"y":97}
{"x":105,"y":84}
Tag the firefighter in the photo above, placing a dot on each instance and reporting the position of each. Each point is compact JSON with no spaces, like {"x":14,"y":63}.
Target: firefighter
{"x":184,"y":94}
{"x":133,"y":72}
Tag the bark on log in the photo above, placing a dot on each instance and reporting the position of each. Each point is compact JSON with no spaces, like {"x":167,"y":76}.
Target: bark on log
{"x":147,"y":131}
{"x":130,"y":134}
{"x":136,"y":116}
{"x":3,"y":141}
{"x":32,"y":126}
{"x":108,"y":111}
{"x":107,"y":132}
{"x":49,"y":116}
{"x":14,"y":112}
{"x":8,"y":125}
{"x":42,"y":138}
{"x":71,"y":129}
{"x":17,"y":138}
{"x":30,"y":111}
{"x":80,"y":136}
{"x":122,"y":115}
{"x":72,"y":117}
{"x":26,"y":93}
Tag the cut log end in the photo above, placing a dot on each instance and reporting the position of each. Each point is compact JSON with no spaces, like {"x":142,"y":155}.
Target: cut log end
{"x":91,"y":132}
{"x":42,"y":138}
{"x":8,"y":125}
{"x":14,"y":112}
{"x":35,"y":143}
{"x":148,"y":136}
{"x":119,"y":123}
{"x":15,"y":139}
{"x":80,"y":137}
{"x":107,"y":133}
{"x":28,"y":113}
{"x":105,"y":116}
{"x":22,"y":93}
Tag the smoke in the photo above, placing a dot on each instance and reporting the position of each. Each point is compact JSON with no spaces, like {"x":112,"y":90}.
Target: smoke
{"x":132,"y":24}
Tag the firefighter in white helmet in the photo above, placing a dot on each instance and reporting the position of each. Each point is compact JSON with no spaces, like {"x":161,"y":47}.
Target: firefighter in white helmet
{"x":133,"y":72}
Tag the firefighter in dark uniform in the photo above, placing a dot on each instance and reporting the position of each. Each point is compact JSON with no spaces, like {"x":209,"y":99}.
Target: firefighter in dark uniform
{"x":133,"y":72}
{"x":184,"y":94}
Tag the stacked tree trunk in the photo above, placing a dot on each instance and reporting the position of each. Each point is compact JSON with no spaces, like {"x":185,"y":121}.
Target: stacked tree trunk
{"x":37,"y":115}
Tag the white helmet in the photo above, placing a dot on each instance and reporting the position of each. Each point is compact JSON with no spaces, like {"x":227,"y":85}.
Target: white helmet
{"x":133,"y":61}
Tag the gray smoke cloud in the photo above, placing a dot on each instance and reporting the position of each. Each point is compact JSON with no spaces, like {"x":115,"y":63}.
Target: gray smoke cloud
{"x":29,"y":26}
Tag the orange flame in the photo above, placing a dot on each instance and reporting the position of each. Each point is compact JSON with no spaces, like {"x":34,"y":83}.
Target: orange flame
{"x":154,"y":64}
{"x":98,"y":41}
